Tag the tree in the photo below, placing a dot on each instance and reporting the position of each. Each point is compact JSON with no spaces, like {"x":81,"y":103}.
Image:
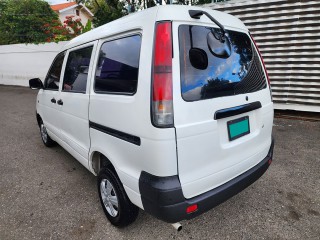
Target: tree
{"x":108,"y":12}
{"x":71,"y":28}
{"x":23,"y":21}
{"x":105,"y":10}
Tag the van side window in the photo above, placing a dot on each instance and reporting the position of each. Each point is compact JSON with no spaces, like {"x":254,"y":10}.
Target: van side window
{"x":53,"y":77}
{"x":77,"y":68}
{"x":118,"y":66}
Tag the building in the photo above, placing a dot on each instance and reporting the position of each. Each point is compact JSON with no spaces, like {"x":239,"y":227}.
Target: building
{"x":74,"y":9}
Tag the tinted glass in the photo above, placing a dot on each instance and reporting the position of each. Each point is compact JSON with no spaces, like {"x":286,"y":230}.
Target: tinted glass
{"x":77,"y":68}
{"x":233,"y":66}
{"x":53,"y":77}
{"x":118,"y":66}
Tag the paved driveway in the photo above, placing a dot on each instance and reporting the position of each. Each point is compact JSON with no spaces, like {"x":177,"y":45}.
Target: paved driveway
{"x":46,"y":194}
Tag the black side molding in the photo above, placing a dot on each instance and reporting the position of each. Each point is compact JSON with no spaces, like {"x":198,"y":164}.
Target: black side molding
{"x":229,"y":112}
{"x":115,"y":133}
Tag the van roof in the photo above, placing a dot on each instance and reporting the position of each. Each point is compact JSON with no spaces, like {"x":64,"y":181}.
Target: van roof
{"x":147,"y":17}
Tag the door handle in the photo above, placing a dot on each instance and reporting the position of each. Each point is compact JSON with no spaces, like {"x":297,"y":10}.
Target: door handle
{"x":60,"y":102}
{"x":53,"y":100}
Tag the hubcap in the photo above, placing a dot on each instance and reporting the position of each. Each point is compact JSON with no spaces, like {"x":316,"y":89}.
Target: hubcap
{"x":109,"y":197}
{"x":44,"y":133}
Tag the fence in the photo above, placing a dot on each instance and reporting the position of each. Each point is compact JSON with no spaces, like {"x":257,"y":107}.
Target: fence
{"x":288,"y":35}
{"x":21,"y":62}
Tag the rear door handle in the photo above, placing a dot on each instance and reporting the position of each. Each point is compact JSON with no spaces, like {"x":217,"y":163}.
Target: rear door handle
{"x":229,"y":112}
{"x":60,"y":102}
{"x":53,"y":100}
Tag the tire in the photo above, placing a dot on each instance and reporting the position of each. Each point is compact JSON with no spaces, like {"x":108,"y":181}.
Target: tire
{"x":47,"y":141}
{"x":114,"y":200}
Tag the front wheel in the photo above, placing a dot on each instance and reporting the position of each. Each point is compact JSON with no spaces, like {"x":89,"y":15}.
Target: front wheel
{"x":45,"y":136}
{"x":114,"y":200}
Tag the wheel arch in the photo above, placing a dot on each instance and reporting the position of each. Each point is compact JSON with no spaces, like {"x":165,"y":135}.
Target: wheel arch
{"x":98,"y":161}
{"x":39,"y":119}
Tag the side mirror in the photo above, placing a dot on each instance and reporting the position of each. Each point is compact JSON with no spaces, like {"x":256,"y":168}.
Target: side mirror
{"x":35,"y":83}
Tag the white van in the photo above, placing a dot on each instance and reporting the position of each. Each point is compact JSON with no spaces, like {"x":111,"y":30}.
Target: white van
{"x":170,"y":107}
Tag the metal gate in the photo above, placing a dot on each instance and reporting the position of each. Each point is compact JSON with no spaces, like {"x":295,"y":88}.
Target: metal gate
{"x":288,"y":36}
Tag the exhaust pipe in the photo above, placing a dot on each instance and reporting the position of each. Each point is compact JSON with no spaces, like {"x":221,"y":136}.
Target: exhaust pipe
{"x":177,"y":226}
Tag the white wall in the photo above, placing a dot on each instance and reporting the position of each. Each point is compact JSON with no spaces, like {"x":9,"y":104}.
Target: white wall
{"x":21,"y":62}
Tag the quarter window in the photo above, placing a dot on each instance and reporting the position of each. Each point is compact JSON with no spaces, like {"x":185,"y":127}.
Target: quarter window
{"x":77,"y":68}
{"x":53,"y":77}
{"x":118,"y":66}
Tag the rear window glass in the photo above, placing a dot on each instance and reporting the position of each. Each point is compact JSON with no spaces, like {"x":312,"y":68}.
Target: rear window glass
{"x":237,"y":72}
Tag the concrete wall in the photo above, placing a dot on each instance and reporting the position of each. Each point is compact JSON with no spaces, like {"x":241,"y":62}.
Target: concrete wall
{"x":21,"y":62}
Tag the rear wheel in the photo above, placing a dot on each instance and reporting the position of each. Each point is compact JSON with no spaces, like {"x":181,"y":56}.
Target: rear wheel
{"x":114,"y":200}
{"x":45,"y":136}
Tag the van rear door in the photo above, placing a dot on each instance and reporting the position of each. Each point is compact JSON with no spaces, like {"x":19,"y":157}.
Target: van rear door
{"x":223,"y":112}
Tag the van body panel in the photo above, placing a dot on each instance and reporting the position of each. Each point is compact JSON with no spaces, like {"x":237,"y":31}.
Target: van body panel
{"x":75,"y":110}
{"x":206,"y":156}
{"x":158,"y":157}
{"x":49,"y":112}
{"x":181,"y":14}
{"x":134,"y":197}
{"x":127,"y":114}
{"x":195,"y":159}
{"x":163,"y":197}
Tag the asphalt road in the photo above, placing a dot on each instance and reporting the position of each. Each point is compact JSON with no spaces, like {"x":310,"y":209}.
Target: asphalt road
{"x":46,"y":194}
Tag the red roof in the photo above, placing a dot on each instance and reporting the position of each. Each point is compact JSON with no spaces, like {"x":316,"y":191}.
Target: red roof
{"x":61,"y":6}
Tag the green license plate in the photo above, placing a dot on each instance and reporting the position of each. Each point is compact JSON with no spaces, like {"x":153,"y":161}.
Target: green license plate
{"x":238,"y":127}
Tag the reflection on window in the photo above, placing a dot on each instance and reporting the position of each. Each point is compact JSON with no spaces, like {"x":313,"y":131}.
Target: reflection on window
{"x":239,"y":73}
{"x":117,"y":69}
{"x":76,"y":73}
{"x":53,"y":78}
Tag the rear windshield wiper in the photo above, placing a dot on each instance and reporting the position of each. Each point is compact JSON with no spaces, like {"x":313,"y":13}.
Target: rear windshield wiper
{"x":196,"y":14}
{"x":222,"y":49}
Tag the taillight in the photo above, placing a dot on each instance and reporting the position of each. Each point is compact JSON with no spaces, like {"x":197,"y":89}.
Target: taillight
{"x":263,"y":64}
{"x":162,"y":106}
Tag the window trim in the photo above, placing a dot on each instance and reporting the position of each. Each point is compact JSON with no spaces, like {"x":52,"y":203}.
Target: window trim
{"x":91,"y":44}
{"x":97,"y":59}
{"x":61,"y":74}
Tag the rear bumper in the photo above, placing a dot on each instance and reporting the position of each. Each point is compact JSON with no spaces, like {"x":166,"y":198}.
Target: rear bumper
{"x":162,"y":197}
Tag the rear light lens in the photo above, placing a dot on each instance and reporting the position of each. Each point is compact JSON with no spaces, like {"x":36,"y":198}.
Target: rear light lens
{"x":264,"y":66}
{"x":192,"y":208}
{"x":162,"y":105}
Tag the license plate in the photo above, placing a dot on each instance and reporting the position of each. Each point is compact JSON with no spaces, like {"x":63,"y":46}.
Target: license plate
{"x":238,"y":128}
